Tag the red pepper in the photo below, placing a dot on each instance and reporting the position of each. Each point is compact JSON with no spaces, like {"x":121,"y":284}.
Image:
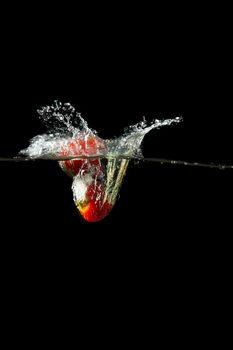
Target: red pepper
{"x":94,"y":210}
{"x":94,"y":206}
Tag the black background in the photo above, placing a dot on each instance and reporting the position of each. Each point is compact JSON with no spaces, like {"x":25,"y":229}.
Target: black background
{"x":170,"y":231}
{"x":154,"y":198}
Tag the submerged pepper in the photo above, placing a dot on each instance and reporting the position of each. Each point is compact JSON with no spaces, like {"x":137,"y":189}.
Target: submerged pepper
{"x":92,"y":190}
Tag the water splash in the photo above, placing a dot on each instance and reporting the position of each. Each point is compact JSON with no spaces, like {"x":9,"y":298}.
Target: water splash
{"x":62,"y":118}
{"x":64,"y":124}
{"x":96,"y":179}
